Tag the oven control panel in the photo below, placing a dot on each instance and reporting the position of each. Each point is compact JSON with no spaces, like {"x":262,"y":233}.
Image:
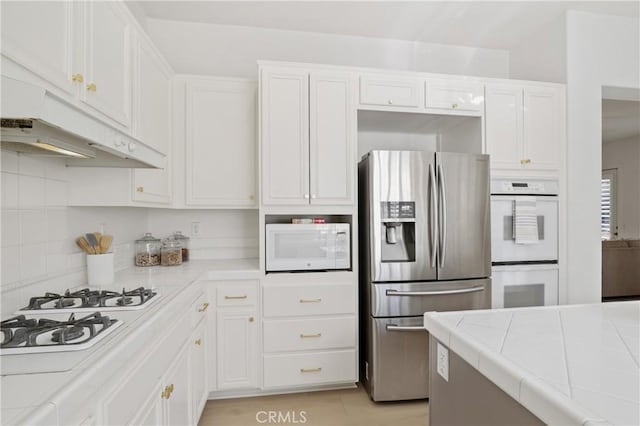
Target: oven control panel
{"x":524,"y":186}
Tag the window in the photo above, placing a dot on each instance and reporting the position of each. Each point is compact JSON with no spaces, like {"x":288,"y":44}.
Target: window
{"x":608,"y":222}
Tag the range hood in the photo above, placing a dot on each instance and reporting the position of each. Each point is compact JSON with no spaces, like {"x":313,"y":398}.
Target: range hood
{"x":37,"y":122}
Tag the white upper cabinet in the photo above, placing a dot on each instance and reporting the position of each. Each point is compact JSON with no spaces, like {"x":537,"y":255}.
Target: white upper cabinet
{"x":503,"y":125}
{"x":390,"y":91}
{"x":107,"y":60}
{"x":524,"y":127}
{"x":308,"y":137}
{"x":285,"y":136}
{"x":38,"y":36}
{"x":152,"y":97}
{"x":452,"y":94}
{"x":221,"y":147}
{"x":331,"y":141}
{"x":542,"y":128}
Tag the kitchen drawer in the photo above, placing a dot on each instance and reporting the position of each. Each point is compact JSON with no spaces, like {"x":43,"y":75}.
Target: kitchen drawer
{"x":238,"y":293}
{"x":307,"y":369}
{"x":309,"y":334}
{"x":309,"y":299}
{"x":392,"y":92}
{"x":199,"y":310}
{"x":454,"y":95}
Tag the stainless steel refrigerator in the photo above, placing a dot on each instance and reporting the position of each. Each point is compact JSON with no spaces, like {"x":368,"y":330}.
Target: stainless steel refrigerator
{"x":425,"y":245}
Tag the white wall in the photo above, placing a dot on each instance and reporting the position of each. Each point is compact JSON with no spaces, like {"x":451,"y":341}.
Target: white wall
{"x":224,"y":234}
{"x":601,"y":51}
{"x":541,"y":56}
{"x":624,"y":155}
{"x":38,"y":230}
{"x":224,"y":50}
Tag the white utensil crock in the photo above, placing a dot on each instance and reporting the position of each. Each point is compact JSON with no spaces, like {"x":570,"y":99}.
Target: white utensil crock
{"x":100,"y":270}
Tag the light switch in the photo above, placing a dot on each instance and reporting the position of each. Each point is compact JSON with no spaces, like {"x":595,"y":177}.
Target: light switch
{"x":442,"y":361}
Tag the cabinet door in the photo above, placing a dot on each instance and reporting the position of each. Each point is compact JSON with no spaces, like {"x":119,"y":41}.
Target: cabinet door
{"x":221,"y":143}
{"x":38,"y":36}
{"x":152,"y":410}
{"x":285,"y":136}
{"x":391,"y":91}
{"x":107,"y":60}
{"x":503,"y":126}
{"x":453,"y":94}
{"x":178,"y":403}
{"x":198,"y":367}
{"x":237,"y":349}
{"x":152,"y":117}
{"x":331,"y":141}
{"x":152,"y":185}
{"x":542,"y":138}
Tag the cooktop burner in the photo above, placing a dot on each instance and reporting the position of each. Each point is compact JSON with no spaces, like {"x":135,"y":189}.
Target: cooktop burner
{"x":91,"y":300}
{"x":28,"y":335}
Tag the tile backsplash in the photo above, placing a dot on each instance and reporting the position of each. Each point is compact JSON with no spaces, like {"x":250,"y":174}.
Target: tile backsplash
{"x":38,"y":230}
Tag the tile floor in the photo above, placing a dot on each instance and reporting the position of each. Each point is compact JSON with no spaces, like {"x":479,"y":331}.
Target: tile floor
{"x":349,"y":407}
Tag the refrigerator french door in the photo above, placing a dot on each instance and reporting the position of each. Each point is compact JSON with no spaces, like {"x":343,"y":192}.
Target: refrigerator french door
{"x":424,"y":246}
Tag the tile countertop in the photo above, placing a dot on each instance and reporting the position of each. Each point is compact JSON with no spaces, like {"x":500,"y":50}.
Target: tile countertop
{"x":18,"y":396}
{"x":568,"y":365}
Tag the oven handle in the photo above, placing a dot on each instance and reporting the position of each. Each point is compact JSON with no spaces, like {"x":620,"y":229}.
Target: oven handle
{"x":393,"y":327}
{"x":434,"y":292}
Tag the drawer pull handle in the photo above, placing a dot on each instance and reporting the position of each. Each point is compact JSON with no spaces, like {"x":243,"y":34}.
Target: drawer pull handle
{"x":311,"y":370}
{"x":198,"y":342}
{"x":203,"y":307}
{"x":318,"y":300}
{"x":305,"y":336}
{"x":394,"y":327}
{"x":244,"y":296}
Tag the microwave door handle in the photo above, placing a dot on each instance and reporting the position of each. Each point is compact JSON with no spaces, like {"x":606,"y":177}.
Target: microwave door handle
{"x":432,"y":217}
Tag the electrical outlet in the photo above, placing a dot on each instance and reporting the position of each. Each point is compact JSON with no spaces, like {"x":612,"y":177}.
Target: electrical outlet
{"x":442,"y":361}
{"x":195,"y":229}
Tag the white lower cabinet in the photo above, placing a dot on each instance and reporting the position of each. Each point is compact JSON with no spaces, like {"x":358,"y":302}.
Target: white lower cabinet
{"x":176,"y":391}
{"x":198,"y":347}
{"x":152,"y":411}
{"x":309,"y":330}
{"x":232,"y":329}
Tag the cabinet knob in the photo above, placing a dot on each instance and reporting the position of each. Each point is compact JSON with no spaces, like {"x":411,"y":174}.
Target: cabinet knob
{"x":306,"y":196}
{"x":454,"y":106}
{"x":77,"y":78}
{"x":203,"y":307}
{"x":165,"y":393}
{"x":390,"y":101}
{"x":250,"y":319}
{"x":92,"y":87}
{"x":313,"y":196}
{"x":140,"y":189}
{"x":251,"y":197}
{"x":198,"y":342}
{"x":525,"y":161}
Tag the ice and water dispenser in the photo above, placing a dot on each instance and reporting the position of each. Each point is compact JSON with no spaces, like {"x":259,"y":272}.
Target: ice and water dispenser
{"x":398,"y":242}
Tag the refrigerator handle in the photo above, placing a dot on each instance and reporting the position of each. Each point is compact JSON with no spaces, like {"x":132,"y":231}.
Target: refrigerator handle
{"x":432,"y":217}
{"x":443,"y":216}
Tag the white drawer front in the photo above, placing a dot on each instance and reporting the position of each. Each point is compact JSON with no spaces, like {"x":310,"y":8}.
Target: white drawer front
{"x":455,"y":95}
{"x":240,"y":293}
{"x":310,"y":299}
{"x":309,"y":334}
{"x":306,"y":369}
{"x":380,"y":90}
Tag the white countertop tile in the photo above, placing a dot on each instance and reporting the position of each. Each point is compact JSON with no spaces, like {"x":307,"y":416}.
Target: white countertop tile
{"x":574,"y":364}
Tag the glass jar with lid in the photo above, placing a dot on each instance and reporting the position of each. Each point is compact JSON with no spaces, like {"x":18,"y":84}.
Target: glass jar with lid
{"x":148,"y":250}
{"x":184,"y":240}
{"x":171,"y":252}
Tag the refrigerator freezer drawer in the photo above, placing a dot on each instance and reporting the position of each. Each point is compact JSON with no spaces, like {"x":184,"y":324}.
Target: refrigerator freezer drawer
{"x":399,"y":367}
{"x":410,"y":299}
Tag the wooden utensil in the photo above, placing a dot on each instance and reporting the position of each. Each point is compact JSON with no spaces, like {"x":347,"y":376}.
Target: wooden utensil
{"x":105,"y":243}
{"x":84,"y":245}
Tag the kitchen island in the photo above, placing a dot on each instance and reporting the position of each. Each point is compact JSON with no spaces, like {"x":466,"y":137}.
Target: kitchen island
{"x":568,"y":365}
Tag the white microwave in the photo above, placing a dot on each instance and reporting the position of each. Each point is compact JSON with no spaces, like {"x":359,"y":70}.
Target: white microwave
{"x":308,"y":247}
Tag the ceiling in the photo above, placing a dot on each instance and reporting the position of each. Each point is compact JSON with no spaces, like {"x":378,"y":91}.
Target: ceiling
{"x":620,"y":120}
{"x":496,"y":25}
